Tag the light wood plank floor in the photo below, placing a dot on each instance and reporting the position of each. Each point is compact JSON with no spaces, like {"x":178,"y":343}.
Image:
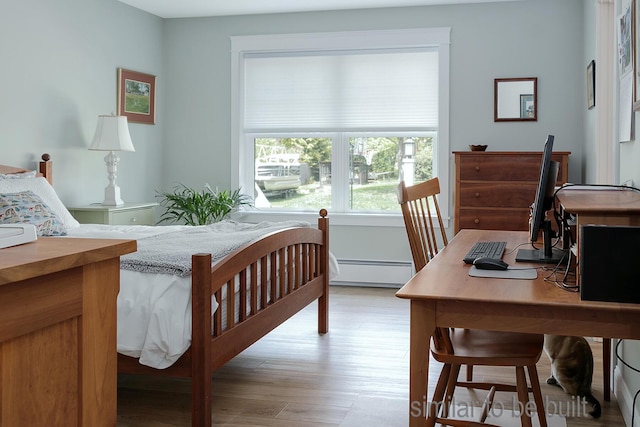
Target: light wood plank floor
{"x":356,"y":375}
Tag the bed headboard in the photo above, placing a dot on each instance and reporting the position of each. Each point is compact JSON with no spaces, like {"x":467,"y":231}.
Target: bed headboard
{"x":45,"y":168}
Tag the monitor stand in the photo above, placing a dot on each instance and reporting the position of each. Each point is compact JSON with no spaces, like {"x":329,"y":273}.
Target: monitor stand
{"x":546,"y":255}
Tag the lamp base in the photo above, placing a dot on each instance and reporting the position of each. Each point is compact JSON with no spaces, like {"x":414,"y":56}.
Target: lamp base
{"x":112,"y":191}
{"x":112,"y":196}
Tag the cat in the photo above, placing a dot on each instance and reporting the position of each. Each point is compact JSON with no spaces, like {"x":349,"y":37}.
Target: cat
{"x":572,"y":367}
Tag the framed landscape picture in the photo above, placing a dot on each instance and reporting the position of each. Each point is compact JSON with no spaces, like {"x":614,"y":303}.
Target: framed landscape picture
{"x":137,"y":96}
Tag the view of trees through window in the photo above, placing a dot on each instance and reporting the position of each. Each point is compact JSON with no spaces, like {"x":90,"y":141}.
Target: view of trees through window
{"x":296,"y":173}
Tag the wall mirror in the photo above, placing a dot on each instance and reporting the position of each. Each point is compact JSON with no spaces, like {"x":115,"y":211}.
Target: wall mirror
{"x":515,"y":99}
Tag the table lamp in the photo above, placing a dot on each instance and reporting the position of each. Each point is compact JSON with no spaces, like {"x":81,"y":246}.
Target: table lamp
{"x":112,"y":134}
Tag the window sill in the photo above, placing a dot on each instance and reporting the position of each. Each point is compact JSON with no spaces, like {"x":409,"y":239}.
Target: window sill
{"x":340,"y":219}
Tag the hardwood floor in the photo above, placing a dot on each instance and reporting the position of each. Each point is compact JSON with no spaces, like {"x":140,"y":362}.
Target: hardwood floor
{"x":356,"y":375}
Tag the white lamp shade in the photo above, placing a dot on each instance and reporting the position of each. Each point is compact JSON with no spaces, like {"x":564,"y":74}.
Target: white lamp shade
{"x":112,"y":134}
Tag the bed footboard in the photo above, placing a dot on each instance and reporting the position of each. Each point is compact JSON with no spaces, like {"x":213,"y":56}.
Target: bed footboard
{"x":258,"y":286}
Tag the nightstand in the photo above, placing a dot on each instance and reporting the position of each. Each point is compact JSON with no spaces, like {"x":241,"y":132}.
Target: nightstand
{"x":127,"y":214}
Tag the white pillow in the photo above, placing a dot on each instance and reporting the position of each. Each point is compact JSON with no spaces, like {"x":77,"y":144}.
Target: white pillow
{"x":19,"y":175}
{"x":41,"y":187}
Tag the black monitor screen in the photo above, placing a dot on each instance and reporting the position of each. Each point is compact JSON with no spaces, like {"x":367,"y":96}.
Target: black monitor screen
{"x":542,"y":203}
{"x":545,"y":190}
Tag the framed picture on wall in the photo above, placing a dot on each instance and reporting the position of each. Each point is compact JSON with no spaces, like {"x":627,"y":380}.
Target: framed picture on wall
{"x":591,"y":84}
{"x":625,"y":42}
{"x":137,"y":96}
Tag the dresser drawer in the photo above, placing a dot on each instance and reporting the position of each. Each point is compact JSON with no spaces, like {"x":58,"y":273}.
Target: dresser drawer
{"x":487,"y":167}
{"x":495,"y":219}
{"x":133,"y":217}
{"x":497,"y":194}
{"x":126,"y":214}
{"x":499,"y":168}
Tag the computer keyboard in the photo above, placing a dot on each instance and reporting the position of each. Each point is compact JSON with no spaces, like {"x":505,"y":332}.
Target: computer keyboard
{"x":485,"y":250}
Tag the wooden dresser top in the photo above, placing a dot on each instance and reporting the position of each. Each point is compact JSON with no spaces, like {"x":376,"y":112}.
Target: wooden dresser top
{"x":52,"y":254}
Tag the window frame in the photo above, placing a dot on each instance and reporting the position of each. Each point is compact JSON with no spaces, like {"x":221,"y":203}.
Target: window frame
{"x":242,"y":158}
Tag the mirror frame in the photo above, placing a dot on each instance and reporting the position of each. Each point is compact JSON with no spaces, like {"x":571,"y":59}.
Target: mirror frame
{"x":496,"y":83}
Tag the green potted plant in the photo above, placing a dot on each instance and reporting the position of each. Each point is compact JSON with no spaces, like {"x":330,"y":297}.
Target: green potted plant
{"x":191,"y":207}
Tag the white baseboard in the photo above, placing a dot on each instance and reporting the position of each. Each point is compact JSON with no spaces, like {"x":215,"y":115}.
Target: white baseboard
{"x":355,"y":272}
{"x":625,"y":399}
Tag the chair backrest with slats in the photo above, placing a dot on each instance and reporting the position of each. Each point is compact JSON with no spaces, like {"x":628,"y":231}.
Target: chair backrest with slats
{"x":421,"y":214}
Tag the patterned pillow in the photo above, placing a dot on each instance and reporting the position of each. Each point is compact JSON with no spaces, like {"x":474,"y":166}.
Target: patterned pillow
{"x":41,"y":187}
{"x":27,"y":207}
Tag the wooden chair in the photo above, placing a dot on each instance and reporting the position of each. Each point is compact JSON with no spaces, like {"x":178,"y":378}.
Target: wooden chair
{"x":457,"y":347}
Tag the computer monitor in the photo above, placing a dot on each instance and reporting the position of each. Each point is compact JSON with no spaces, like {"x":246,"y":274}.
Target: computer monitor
{"x":543,"y":202}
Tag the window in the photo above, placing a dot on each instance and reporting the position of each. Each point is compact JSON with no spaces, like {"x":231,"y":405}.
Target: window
{"x":336,"y":120}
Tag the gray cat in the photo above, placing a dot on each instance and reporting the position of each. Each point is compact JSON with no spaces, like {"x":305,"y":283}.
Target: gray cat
{"x":572,"y":367}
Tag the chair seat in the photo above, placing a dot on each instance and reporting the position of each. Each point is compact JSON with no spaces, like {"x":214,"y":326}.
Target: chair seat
{"x":491,"y":348}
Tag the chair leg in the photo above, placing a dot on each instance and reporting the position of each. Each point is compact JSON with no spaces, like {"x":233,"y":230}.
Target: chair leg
{"x":486,"y":406}
{"x":469,"y":373}
{"x":451,"y":388}
{"x":434,"y":406}
{"x":537,"y":395}
{"x":523,"y":396}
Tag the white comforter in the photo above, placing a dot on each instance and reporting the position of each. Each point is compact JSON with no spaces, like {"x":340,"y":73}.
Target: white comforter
{"x":154,"y":309}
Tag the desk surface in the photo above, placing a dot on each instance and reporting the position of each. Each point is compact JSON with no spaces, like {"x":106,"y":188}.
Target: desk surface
{"x":446,"y":280}
{"x":579,"y":200}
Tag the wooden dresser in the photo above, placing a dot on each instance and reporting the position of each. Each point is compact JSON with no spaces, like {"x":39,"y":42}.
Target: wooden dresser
{"x":494,"y":189}
{"x":58,"y":360}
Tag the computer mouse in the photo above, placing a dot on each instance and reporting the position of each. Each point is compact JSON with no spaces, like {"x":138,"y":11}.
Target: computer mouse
{"x":490,"y":264}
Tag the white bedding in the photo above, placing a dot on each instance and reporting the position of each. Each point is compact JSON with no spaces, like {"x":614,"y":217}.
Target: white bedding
{"x":154,"y":310}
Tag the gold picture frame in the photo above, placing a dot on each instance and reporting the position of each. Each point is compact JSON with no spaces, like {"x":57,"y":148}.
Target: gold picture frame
{"x":137,"y":96}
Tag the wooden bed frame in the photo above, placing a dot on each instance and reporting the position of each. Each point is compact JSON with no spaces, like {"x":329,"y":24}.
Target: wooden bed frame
{"x":276,"y":276}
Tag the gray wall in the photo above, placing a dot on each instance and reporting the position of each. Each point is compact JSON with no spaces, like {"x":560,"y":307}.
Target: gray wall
{"x":521,"y":39}
{"x":58,"y":73}
{"x":588,"y":158}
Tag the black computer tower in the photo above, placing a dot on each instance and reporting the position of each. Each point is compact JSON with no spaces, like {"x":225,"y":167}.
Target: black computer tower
{"x":609,"y":263}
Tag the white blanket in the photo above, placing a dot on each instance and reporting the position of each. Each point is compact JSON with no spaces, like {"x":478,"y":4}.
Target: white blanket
{"x":154,"y":309}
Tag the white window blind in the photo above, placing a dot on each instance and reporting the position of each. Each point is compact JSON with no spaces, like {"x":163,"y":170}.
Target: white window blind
{"x":393,"y":89}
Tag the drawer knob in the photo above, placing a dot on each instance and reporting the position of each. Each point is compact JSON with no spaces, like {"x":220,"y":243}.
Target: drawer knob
{"x":134,"y":219}
{"x":477,"y":194}
{"x":476,"y":221}
{"x":477,"y":168}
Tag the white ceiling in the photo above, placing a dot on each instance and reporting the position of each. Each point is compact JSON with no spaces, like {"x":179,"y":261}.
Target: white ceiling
{"x":195,"y":8}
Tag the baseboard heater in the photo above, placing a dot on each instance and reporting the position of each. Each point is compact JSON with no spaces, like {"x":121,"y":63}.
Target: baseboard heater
{"x":356,"y":272}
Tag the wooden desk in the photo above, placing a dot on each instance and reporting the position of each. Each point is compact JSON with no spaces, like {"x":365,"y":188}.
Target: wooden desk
{"x":58,"y":361}
{"x":602,"y":207}
{"x":444,"y":295}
